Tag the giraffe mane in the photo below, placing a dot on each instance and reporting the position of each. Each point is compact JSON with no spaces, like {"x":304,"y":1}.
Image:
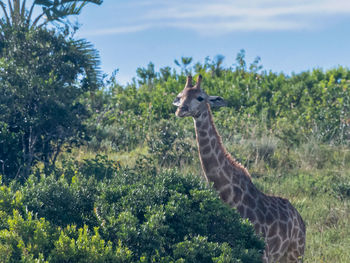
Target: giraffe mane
{"x":227,"y":155}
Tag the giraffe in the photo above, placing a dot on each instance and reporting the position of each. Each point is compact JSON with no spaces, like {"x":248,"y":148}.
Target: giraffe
{"x":274,"y":218}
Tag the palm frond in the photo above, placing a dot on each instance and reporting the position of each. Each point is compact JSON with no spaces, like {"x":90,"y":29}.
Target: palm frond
{"x":23,"y":9}
{"x":3,"y":6}
{"x":11,"y":9}
{"x":58,"y":10}
{"x":15,"y":11}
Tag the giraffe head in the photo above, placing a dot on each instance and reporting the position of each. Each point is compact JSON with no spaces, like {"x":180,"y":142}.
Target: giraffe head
{"x":192,"y":101}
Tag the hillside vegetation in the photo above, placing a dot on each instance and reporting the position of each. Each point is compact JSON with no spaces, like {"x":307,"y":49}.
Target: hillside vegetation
{"x":291,"y":132}
{"x":94,"y":171}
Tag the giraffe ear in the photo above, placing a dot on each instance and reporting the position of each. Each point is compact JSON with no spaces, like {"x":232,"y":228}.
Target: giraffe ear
{"x":216,"y":101}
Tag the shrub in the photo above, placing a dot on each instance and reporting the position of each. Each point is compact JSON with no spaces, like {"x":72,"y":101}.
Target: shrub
{"x":157,"y":216}
{"x":79,"y":245}
{"x":170,"y":144}
{"x":59,"y":202}
{"x":26,"y":239}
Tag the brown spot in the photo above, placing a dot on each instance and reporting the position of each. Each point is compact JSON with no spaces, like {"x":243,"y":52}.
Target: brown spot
{"x":225,"y":194}
{"x":211,"y":132}
{"x":205,"y":114}
{"x":241,"y":209}
{"x":283,"y":215}
{"x":236,"y":181}
{"x":213,"y":143}
{"x":269,"y":218}
{"x":295,"y":221}
{"x":273,"y":205}
{"x":237,"y":194}
{"x":273,"y":229}
{"x":203,"y":142}
{"x":291,"y":258}
{"x":228,"y":169}
{"x":283,"y":230}
{"x":250,"y":215}
{"x":293,"y":246}
{"x":260,"y":215}
{"x":290,"y":225}
{"x":261,"y":205}
{"x":257,"y":228}
{"x":273,"y":212}
{"x":253,"y":191}
{"x":275,"y":244}
{"x":209,"y":163}
{"x":283,"y":202}
{"x":217,"y":148}
{"x":219,"y":182}
{"x":243,"y":183}
{"x":301,"y":241}
{"x":198,"y":124}
{"x":301,"y":234}
{"x":221,"y":157}
{"x":249,"y":201}
{"x":296,"y":254}
{"x":205,"y":126}
{"x":238,"y":170}
{"x":206,"y":150}
{"x":203,"y":133}
{"x":284,"y":245}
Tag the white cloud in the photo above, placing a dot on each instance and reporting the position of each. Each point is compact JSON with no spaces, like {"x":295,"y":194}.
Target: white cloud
{"x":262,"y":8}
{"x":225,"y":16}
{"x":116,"y":30}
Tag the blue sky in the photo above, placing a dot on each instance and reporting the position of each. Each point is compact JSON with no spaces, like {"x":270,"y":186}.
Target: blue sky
{"x":289,"y":36}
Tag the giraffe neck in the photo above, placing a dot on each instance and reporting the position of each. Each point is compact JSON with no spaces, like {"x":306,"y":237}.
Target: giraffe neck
{"x":230,"y":178}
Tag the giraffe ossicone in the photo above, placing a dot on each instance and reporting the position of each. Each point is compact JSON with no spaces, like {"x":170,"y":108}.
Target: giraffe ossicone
{"x":274,"y":218}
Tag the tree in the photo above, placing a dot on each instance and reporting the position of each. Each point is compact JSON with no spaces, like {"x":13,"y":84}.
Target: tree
{"x":16,"y":13}
{"x":146,"y":75}
{"x":42,"y":76}
{"x":183,"y":64}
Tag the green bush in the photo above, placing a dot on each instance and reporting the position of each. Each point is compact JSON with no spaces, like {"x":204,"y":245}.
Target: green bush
{"x":79,"y":245}
{"x":102,"y":212}
{"x":157,"y":215}
{"x":26,"y":239}
{"x":172,"y":143}
{"x":59,"y":202}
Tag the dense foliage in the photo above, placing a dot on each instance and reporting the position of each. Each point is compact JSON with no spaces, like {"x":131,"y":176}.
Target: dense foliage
{"x":42,"y":76}
{"x":295,"y":108}
{"x":115,"y":214}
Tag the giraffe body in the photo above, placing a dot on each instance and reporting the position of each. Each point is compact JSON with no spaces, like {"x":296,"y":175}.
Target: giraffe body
{"x":274,"y":218}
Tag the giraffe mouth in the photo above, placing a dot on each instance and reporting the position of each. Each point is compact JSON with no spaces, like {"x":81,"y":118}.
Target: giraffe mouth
{"x":182,"y":112}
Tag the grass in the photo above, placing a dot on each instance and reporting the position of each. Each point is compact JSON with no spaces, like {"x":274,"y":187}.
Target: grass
{"x":316,"y":179}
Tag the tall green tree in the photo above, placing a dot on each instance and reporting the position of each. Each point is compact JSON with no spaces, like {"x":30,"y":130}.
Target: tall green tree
{"x":43,"y":75}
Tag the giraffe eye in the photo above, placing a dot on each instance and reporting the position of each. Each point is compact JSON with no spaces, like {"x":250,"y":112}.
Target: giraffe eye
{"x":200,"y":98}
